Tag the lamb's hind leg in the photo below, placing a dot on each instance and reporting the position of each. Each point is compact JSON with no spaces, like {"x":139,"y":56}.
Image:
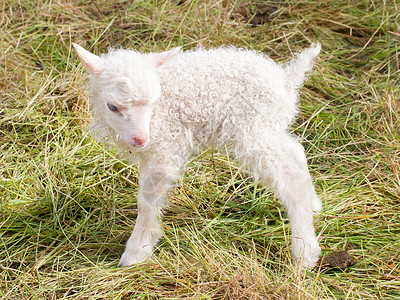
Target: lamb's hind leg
{"x":153,"y":186}
{"x":284,"y":165}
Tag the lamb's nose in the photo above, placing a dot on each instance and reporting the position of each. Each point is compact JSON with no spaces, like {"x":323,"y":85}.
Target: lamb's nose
{"x":139,"y":142}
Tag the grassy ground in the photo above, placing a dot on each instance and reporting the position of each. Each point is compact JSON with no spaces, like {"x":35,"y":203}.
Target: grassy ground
{"x":68,"y":203}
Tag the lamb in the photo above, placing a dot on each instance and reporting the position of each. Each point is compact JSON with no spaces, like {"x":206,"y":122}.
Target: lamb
{"x":161,"y":108}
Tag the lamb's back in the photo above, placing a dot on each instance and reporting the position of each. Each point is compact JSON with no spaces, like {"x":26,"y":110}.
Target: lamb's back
{"x":229,"y":88}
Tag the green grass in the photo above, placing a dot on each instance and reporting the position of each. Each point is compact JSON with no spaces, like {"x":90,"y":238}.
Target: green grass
{"x":68,"y":203}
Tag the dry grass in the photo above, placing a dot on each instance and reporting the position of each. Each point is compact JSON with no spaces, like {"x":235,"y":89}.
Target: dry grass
{"x":67,"y":202}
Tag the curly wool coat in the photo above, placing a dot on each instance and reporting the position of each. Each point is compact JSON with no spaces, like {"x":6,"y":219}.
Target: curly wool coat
{"x":159,"y":109}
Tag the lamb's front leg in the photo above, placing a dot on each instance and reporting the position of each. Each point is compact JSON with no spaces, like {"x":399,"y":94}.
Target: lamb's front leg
{"x":153,"y":186}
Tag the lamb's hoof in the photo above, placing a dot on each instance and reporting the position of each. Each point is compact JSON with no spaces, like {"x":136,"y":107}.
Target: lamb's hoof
{"x":311,"y":260}
{"x":316,"y":205}
{"x":310,"y":263}
{"x":132,"y":257}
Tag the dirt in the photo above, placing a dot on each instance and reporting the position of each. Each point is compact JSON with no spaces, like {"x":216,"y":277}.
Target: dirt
{"x":255,"y":14}
{"x":337,"y":260}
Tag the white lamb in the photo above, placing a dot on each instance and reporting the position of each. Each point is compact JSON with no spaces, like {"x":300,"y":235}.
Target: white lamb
{"x":161,"y":108}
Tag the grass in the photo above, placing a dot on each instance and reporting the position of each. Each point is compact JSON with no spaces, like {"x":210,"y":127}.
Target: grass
{"x":68,"y":203}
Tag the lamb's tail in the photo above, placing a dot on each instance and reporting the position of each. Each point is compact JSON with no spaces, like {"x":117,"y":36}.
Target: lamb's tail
{"x":296,"y":69}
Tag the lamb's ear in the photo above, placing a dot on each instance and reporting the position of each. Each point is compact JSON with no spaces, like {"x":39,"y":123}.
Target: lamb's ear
{"x":91,"y":61}
{"x":160,"y":58}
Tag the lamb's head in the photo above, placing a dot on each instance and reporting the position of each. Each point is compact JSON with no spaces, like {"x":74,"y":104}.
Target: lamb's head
{"x":124,"y":88}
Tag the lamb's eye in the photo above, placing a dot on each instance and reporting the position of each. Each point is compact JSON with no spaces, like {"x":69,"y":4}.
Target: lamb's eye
{"x":111,"y":107}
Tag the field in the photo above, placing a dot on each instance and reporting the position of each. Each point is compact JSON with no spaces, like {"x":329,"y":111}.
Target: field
{"x":67,"y":202}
